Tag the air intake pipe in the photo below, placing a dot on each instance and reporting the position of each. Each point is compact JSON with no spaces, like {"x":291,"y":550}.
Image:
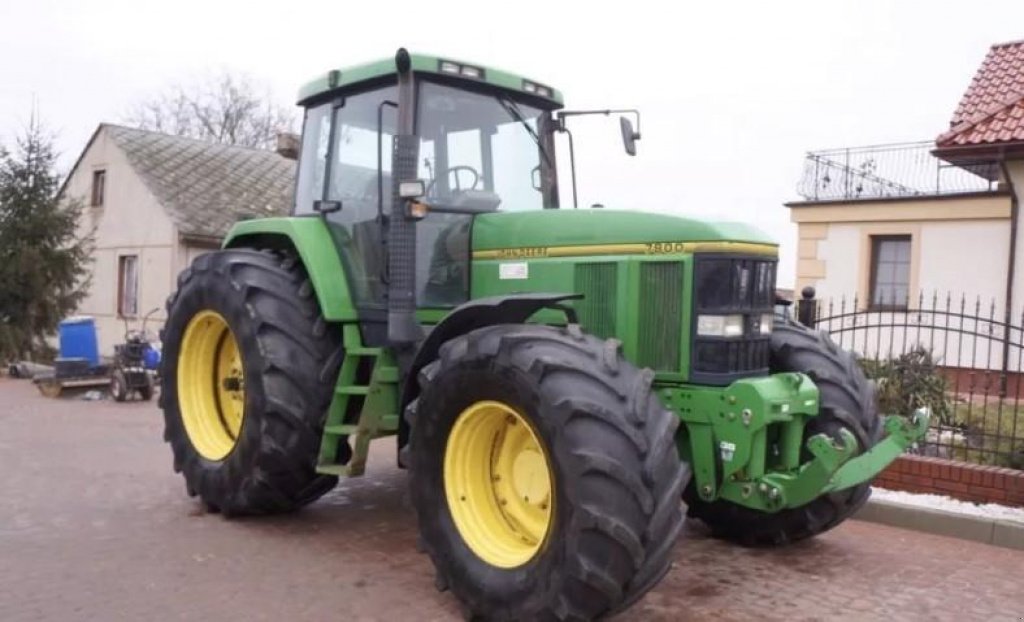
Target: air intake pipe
{"x":403,"y":329}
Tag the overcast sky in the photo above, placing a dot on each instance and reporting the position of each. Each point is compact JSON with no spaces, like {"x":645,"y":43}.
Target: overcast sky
{"x":732,"y":93}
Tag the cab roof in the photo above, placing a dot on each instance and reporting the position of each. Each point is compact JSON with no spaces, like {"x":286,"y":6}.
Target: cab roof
{"x":421,"y":63}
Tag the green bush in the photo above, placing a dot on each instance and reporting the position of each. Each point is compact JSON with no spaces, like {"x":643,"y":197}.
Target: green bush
{"x":993,"y":430}
{"x":911,"y":381}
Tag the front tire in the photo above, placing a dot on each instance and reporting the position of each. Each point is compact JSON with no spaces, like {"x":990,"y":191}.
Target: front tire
{"x":247,"y":375}
{"x":146,"y":390}
{"x":847,"y":400}
{"x":118,"y":386}
{"x":587,"y":447}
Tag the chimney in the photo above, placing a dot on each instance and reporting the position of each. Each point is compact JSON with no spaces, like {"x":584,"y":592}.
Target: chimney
{"x":288,"y":145}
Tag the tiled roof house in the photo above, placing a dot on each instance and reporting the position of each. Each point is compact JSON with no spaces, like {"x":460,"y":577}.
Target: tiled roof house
{"x":153,"y":202}
{"x":991,"y":113}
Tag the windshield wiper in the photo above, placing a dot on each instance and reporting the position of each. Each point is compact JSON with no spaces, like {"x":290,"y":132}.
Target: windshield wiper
{"x":513,"y":111}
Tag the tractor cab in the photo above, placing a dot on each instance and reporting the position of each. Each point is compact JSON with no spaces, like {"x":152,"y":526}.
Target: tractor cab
{"x":481,"y":145}
{"x":480,"y":141}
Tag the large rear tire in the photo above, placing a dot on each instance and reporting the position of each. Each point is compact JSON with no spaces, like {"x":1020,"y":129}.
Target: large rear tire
{"x":248,"y":372}
{"x":847,"y":400}
{"x":588,"y":521}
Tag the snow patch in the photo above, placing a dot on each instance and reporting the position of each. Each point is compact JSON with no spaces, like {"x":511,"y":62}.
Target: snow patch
{"x":992,"y":511}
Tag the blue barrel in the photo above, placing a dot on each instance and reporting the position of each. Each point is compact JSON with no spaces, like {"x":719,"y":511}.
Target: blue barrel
{"x":78,"y":339}
{"x":150,"y":357}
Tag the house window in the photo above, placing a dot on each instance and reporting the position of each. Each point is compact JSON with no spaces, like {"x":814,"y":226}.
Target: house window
{"x":99,"y":181}
{"x":890,"y":272}
{"x":128,"y":285}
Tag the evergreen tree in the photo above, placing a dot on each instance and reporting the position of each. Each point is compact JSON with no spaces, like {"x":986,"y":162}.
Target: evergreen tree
{"x":44,"y":260}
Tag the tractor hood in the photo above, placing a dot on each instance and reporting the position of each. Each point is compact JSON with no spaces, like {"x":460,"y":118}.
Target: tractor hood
{"x":583,"y":227}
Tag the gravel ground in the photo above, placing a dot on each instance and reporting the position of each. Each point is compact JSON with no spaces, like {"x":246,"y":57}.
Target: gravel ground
{"x":94,"y":525}
{"x":940,"y":502}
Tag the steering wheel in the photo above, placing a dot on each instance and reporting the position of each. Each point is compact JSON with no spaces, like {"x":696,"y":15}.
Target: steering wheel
{"x":458,"y":186}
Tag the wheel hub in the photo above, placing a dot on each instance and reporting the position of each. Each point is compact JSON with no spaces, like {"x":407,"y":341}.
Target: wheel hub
{"x":498,"y":483}
{"x":211,"y":385}
{"x":530,"y":477}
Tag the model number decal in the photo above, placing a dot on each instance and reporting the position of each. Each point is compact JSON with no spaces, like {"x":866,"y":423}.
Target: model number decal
{"x":666,"y":248}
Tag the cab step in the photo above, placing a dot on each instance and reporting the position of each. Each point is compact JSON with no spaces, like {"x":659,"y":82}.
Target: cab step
{"x":375,"y":417}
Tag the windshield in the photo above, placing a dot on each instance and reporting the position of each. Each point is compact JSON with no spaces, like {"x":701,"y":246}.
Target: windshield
{"x":480,"y":151}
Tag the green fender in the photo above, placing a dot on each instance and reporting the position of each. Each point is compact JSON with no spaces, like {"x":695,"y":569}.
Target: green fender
{"x":311,"y":238}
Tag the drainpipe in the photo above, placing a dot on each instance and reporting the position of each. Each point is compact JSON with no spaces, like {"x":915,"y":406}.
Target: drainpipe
{"x":1008,"y":316}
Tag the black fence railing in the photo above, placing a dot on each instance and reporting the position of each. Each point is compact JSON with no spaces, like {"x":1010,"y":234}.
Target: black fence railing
{"x":884,"y":171}
{"x":962,"y":357}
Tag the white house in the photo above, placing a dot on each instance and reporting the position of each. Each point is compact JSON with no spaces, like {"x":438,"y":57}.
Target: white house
{"x":153,"y":202}
{"x":888,"y":221}
{"x":897,"y":228}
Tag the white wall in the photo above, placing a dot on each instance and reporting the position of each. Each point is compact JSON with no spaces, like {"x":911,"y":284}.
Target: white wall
{"x":965,"y":258}
{"x":839,"y":251}
{"x":130,"y":222}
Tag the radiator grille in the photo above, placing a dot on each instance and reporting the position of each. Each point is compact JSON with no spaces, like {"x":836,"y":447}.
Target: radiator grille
{"x":660,"y":315}
{"x":732,"y":286}
{"x":598,"y":283}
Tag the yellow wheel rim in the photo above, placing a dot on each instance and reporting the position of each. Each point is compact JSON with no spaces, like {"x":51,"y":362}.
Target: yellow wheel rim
{"x":499,"y":485}
{"x":211,"y":385}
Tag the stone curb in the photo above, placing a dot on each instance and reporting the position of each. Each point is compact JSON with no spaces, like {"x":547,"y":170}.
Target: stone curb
{"x":1007,"y":534}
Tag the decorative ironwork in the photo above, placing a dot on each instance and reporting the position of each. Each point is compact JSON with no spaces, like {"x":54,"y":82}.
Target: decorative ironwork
{"x":886,"y":171}
{"x":978,"y":349}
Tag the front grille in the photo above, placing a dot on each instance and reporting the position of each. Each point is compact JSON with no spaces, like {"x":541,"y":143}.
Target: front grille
{"x":598,"y":282}
{"x":723,"y":357}
{"x":660,"y":315}
{"x":728,"y":286}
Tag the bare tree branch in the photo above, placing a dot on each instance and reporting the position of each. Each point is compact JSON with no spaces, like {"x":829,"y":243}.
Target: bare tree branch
{"x":227,"y":109}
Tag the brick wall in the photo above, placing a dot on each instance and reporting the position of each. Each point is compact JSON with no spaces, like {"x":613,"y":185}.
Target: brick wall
{"x":962,"y":480}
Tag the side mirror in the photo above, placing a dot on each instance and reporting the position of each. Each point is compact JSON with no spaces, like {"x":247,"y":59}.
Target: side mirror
{"x":326,"y":207}
{"x":629,"y":136}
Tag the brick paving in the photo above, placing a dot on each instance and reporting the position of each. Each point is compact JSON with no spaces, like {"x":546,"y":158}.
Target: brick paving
{"x":95,"y":526}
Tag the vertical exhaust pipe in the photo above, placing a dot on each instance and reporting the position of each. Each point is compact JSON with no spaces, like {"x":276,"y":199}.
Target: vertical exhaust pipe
{"x":403,"y":329}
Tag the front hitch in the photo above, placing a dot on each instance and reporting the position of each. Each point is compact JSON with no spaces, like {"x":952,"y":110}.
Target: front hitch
{"x":834,"y":466}
{"x":745,"y":442}
{"x":902,"y":433}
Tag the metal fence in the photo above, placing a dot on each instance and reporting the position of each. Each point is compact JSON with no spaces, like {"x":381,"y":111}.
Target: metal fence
{"x":885,"y":171}
{"x":976,"y":350}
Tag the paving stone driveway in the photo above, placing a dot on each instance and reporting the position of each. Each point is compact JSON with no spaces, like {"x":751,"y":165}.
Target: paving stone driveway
{"x":95,"y":526}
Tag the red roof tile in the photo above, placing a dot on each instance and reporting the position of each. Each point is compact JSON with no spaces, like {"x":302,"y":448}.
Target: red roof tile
{"x":992,"y":109}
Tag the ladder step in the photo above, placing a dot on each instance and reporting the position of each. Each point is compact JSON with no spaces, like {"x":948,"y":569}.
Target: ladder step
{"x":341,"y":429}
{"x":386,"y":374}
{"x":332,"y":469}
{"x":388,"y":424}
{"x":354,"y":390}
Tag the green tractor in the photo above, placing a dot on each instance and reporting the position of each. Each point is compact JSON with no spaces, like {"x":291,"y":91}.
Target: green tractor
{"x":557,"y":381}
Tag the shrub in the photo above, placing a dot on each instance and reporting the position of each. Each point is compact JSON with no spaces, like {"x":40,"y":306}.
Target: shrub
{"x":911,"y":381}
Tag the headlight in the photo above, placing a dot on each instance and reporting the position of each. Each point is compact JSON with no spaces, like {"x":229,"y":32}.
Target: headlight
{"x":766,"y":323}
{"x":720,"y":325}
